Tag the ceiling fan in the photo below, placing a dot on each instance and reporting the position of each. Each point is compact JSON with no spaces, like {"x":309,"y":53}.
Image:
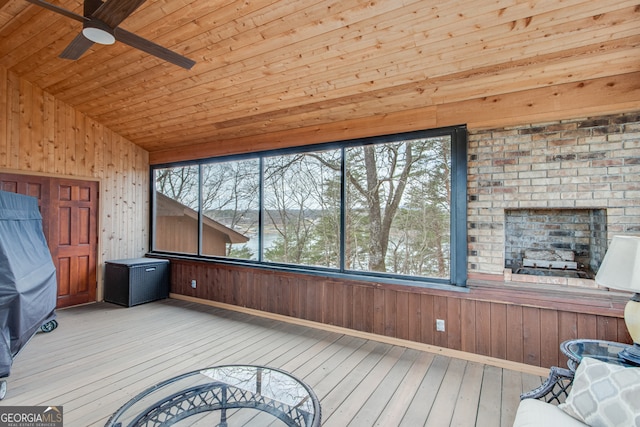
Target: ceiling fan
{"x":100,"y":25}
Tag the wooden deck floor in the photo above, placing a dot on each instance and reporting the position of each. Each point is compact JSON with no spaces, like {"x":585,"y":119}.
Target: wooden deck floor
{"x":101,"y":355}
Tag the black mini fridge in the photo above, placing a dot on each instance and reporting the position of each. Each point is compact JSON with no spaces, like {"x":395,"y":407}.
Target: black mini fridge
{"x":130,"y":282}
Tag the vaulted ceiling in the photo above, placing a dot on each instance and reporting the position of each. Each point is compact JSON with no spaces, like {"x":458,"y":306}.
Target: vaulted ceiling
{"x":274,"y":66}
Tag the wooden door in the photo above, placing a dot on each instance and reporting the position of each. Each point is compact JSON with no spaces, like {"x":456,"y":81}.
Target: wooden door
{"x":73,"y":241}
{"x":69,"y":220}
{"x":35,"y":186}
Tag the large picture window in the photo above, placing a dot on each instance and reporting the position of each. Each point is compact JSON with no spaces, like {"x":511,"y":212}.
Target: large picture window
{"x":302,"y":209}
{"x":389,"y":207}
{"x":398,"y":207}
{"x":230,"y":205}
{"x":176,"y":209}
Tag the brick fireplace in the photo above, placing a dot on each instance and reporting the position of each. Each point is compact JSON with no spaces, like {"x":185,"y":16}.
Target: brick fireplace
{"x":568,"y":185}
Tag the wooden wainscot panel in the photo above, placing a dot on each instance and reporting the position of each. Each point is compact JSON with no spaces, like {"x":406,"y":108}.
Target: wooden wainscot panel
{"x":506,"y":322}
{"x":549,"y":351}
{"x":499,"y":330}
{"x":403,"y":315}
{"x":483,"y":328}
{"x":531,"y":335}
{"x":454,"y":323}
{"x":514,"y":340}
{"x":428,"y":318}
{"x":467,"y":325}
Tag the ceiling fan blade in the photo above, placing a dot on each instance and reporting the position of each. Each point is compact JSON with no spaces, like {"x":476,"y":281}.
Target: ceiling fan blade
{"x":113,"y":12}
{"x":151,"y":48}
{"x":79,"y":45}
{"x":58,"y":9}
{"x":91,"y":6}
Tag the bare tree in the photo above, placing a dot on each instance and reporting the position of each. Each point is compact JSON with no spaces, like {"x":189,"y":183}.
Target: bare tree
{"x":180,"y":184}
{"x":295,"y":203}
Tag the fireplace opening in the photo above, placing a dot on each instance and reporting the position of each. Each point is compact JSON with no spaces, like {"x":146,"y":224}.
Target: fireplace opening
{"x":553,"y":262}
{"x":557,"y":243}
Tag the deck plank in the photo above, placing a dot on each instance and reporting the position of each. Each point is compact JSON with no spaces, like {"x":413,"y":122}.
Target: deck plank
{"x":337,"y":388}
{"x":376,"y":405}
{"x":371,"y":381}
{"x":422,"y":403}
{"x":511,"y":381}
{"x":396,"y":407}
{"x":445,"y":400}
{"x":102,"y":355}
{"x":466,"y":406}
{"x":490,"y":403}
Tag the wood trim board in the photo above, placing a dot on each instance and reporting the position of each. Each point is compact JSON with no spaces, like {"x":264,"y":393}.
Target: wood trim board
{"x":471,"y":357}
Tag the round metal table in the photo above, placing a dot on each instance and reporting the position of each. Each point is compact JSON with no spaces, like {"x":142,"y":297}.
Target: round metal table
{"x":606,"y":351}
{"x":224,"y":396}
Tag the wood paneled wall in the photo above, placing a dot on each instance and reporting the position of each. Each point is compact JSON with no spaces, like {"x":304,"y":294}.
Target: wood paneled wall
{"x":518,"y":106}
{"x":41,"y":135}
{"x":519,"y":325}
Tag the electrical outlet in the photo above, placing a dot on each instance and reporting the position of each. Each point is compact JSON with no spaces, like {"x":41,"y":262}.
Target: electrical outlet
{"x":193,"y":283}
{"x":439,"y":325}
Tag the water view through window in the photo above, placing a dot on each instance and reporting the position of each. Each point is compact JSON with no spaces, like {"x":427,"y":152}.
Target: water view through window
{"x":380,"y":208}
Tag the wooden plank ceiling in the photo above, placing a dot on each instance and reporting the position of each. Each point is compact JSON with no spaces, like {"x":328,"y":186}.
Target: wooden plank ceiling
{"x":273,"y":66}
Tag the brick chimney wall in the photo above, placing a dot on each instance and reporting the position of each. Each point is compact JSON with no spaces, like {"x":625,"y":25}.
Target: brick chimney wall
{"x":591,"y":163}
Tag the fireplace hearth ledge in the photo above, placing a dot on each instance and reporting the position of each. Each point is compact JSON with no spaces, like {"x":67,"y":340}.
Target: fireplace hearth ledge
{"x":509,"y":276}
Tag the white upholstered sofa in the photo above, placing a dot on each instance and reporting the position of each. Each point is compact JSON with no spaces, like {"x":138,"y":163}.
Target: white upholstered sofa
{"x":600,"y":394}
{"x":533,"y":412}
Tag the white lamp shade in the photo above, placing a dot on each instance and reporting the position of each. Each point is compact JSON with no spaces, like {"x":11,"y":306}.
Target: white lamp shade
{"x":620,"y":268}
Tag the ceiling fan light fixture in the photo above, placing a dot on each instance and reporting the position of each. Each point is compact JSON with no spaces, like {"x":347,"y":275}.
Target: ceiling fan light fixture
{"x":100,"y":21}
{"x":98,"y":33}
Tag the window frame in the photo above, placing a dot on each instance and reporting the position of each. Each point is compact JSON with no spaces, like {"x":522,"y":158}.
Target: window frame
{"x":458,"y":214}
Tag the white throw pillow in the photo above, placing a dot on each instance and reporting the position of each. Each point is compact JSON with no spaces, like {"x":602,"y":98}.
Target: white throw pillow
{"x":604,"y":395}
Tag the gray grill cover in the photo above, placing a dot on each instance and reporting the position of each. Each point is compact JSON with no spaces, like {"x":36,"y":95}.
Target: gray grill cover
{"x":28,"y":287}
